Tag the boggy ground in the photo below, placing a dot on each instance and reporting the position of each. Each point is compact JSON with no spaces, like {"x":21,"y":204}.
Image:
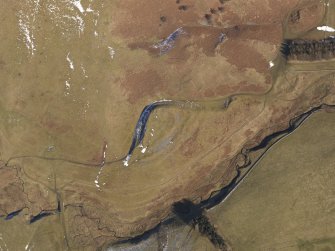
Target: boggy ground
{"x":74,"y":78}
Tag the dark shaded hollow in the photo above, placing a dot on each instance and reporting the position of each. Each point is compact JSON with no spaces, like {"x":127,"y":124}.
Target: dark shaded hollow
{"x":163,"y":18}
{"x":295,"y":17}
{"x":192,"y":214}
{"x":183,"y":7}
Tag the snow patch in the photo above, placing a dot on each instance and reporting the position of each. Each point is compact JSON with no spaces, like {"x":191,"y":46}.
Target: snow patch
{"x":144,"y":149}
{"x":27,"y":34}
{"x":70,"y":61}
{"x":111,"y":52}
{"x":325,"y":28}
{"x":126,"y":160}
{"x":77,"y":3}
{"x":89,"y":9}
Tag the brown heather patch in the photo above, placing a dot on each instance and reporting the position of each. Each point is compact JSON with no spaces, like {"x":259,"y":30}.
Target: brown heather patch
{"x":243,"y":56}
{"x":142,"y":84}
